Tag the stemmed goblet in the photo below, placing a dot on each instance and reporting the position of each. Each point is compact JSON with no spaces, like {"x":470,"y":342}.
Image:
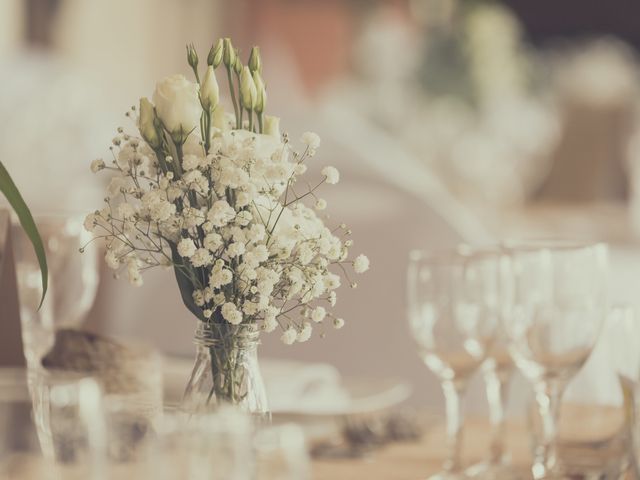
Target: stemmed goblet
{"x":498,"y":367}
{"x":556,"y":305}
{"x":452,"y":328}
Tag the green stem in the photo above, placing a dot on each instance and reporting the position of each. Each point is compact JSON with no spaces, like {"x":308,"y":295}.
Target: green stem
{"x":233,"y":97}
{"x":161,"y":160}
{"x":178,"y":160}
{"x":260,"y":123}
{"x":207,"y":122}
{"x":195,"y":72}
{"x":250,"y":119}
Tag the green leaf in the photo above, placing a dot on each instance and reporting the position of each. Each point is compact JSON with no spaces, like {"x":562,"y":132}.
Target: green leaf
{"x":184,"y":283}
{"x":10,"y":191}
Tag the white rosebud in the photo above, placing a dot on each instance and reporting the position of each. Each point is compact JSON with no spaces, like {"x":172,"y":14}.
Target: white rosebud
{"x":289,"y":336}
{"x":229,"y":53}
{"x":215,"y":54}
{"x":248,"y":92}
{"x":338,"y":323}
{"x":209,"y":91}
{"x":261,"y":93}
{"x":147,"y":123}
{"x":321,"y":204}
{"x":255,"y":64}
{"x":272,"y":126}
{"x":178,"y":106}
{"x":332,"y":175}
{"x":361,"y":264}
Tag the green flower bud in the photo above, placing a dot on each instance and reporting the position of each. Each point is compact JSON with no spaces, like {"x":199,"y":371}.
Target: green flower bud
{"x":261,"y":94}
{"x":147,"y":123}
{"x":215,"y":54}
{"x":255,"y":63}
{"x":247,"y":89}
{"x":229,"y":55}
{"x":238,"y":65}
{"x":192,"y":56}
{"x":209,"y":91}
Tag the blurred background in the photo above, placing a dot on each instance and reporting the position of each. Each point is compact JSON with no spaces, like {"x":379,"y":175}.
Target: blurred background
{"x":450,"y":121}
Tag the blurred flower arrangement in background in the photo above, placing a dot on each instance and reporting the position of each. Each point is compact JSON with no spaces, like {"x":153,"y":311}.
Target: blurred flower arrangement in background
{"x":220,"y":198}
{"x":489,"y":123}
{"x":474,"y":103}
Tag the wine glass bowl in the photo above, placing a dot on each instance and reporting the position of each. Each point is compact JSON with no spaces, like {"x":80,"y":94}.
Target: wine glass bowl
{"x":452,"y":330}
{"x":558,"y":304}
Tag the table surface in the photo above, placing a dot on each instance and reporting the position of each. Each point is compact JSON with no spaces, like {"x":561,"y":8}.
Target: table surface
{"x":418,"y":460}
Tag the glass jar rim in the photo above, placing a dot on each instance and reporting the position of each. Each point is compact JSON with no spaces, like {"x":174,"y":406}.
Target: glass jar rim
{"x":244,"y":335}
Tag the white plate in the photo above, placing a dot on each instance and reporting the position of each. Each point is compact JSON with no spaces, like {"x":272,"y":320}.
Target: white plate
{"x":298,"y":389}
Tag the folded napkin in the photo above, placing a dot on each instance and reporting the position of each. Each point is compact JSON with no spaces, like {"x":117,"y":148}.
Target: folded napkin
{"x":306,"y":388}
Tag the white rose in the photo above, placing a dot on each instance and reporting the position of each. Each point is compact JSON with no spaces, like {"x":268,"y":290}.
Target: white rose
{"x":177,"y":105}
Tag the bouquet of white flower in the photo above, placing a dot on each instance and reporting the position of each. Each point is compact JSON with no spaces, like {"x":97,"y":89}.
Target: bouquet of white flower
{"x":217,"y":197}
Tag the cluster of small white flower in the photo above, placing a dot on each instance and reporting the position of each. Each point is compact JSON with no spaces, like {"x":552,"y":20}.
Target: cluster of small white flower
{"x":232,"y":223}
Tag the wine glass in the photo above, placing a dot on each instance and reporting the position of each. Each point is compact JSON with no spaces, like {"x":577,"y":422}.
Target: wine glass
{"x":556,"y":304}
{"x":453,"y":328}
{"x":281,"y":454}
{"x":498,"y":367}
{"x":73,"y":281}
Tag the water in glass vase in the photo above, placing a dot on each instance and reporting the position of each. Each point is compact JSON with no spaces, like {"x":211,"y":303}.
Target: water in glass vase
{"x":226,"y":371}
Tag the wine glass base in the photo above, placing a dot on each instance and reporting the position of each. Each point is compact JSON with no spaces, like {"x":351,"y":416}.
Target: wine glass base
{"x":495,"y":471}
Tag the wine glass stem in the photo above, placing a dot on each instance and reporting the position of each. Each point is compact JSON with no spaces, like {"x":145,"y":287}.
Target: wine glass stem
{"x":496,"y":383}
{"x":548,"y":395}
{"x":452,"y":394}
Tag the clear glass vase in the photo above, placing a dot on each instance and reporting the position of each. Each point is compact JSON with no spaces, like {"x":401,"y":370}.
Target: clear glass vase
{"x":226,"y":371}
